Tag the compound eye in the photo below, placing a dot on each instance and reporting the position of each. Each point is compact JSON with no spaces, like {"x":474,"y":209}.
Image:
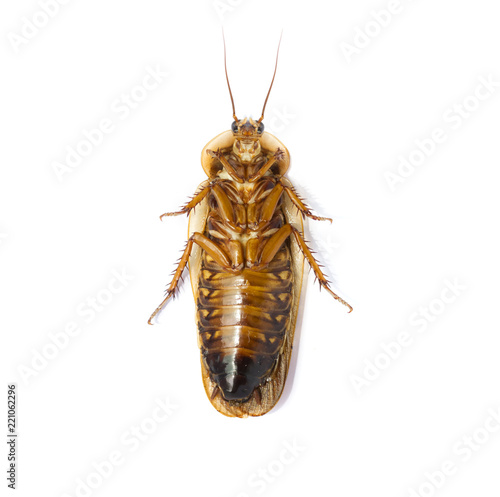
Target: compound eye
{"x":260,"y":129}
{"x":234,"y":127}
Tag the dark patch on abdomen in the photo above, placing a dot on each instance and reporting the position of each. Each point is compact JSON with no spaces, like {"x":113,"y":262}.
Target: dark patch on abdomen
{"x":242,"y":321}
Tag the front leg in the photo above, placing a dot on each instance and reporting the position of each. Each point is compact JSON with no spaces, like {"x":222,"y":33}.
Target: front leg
{"x":276,"y":157}
{"x":217,"y":154}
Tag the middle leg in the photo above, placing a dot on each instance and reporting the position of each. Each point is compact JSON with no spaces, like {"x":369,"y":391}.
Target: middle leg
{"x":274,"y":244}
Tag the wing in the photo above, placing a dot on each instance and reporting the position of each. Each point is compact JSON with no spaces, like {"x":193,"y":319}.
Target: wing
{"x":197,"y":221}
{"x":271,"y":391}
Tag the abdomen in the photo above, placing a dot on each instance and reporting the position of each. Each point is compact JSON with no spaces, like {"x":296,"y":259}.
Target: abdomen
{"x":242,"y":322}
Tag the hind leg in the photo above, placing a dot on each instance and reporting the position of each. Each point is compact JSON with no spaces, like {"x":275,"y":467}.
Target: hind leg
{"x":274,"y":244}
{"x":216,"y":252}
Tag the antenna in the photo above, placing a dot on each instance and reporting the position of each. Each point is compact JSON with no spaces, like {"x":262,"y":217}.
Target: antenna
{"x":227,"y":78}
{"x":272,"y":81}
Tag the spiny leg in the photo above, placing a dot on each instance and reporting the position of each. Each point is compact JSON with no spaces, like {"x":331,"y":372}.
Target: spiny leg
{"x":315,"y":267}
{"x":274,"y":244}
{"x":226,"y":164}
{"x":273,"y":198}
{"x":300,"y":204}
{"x":277,"y":156}
{"x":270,"y":204}
{"x":198,"y":197}
{"x":206,"y":244}
{"x":225,"y":207}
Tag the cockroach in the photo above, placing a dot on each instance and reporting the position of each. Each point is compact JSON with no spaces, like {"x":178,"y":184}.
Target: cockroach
{"x":245,"y":253}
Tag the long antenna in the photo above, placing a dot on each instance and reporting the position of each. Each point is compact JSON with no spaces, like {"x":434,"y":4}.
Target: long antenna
{"x":272,"y":81}
{"x":227,"y":78}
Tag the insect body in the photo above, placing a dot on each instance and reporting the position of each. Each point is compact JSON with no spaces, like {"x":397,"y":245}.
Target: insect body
{"x":246,"y":254}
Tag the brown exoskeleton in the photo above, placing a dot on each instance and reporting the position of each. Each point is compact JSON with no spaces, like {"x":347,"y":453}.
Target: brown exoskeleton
{"x":246,"y":254}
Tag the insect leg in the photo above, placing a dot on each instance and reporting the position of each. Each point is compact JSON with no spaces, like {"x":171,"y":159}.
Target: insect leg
{"x":270,"y":203}
{"x":226,"y":209}
{"x":274,"y":244}
{"x":315,"y":267}
{"x":198,"y":197}
{"x":300,"y":204}
{"x":206,"y":244}
{"x":225,"y":163}
{"x":278,"y":155}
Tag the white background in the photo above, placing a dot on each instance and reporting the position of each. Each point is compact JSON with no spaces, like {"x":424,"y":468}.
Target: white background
{"x":389,"y":252}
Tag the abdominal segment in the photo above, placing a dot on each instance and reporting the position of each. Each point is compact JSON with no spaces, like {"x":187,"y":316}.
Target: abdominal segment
{"x":243,"y":320}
